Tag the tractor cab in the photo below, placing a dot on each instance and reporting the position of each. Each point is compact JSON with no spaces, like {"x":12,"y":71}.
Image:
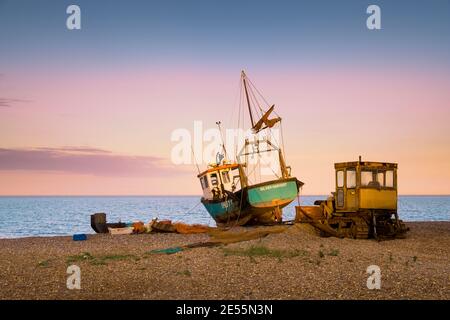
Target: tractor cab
{"x":362,"y":185}
{"x":363,"y":206}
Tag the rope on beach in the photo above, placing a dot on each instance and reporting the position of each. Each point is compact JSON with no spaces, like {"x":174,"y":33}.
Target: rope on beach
{"x":190,"y":210}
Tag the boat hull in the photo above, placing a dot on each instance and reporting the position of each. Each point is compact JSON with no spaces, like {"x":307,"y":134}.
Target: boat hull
{"x":272,"y":194}
{"x":257,"y":204}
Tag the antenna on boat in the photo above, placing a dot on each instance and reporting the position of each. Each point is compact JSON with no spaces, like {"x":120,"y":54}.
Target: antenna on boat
{"x":195,"y":159}
{"x":221,"y":137}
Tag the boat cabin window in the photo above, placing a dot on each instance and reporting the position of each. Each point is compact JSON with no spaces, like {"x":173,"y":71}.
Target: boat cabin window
{"x":390,"y":178}
{"x":340,"y":178}
{"x":351,"y":178}
{"x":204,"y":182}
{"x":225,"y":177}
{"x":214,"y":180}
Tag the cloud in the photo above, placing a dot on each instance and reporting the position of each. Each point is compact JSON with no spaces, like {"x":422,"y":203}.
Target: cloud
{"x":7,"y":103}
{"x":85,"y":160}
{"x":75,"y":149}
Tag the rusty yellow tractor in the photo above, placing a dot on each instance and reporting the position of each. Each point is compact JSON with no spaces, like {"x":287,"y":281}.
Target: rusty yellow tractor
{"x":363,"y":206}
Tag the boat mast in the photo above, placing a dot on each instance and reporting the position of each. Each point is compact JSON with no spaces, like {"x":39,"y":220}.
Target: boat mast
{"x":246,"y":95}
{"x":263,"y":123}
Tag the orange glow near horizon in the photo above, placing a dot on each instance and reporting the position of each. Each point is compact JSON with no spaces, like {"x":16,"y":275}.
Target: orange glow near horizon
{"x":328,"y":116}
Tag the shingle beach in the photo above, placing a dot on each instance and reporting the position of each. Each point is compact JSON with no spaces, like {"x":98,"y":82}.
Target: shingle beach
{"x":294,"y":264}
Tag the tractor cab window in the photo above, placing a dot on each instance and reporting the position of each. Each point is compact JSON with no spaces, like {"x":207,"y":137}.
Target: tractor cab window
{"x":351,"y":178}
{"x":368,"y":179}
{"x":389,"y":179}
{"x":377,"y":178}
{"x":214,"y":180}
{"x":374,"y":179}
{"x":380,"y":178}
{"x":340,"y":178}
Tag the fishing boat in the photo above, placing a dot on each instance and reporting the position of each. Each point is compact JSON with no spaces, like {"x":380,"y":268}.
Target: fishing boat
{"x":233,"y":194}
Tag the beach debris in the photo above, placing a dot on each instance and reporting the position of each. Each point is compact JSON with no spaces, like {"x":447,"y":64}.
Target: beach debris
{"x":163,"y":226}
{"x":178,"y":227}
{"x":99,"y":224}
{"x":79,"y":237}
{"x":243,"y":234}
{"x":217,"y":236}
{"x":120,"y":231}
{"x":223,"y":237}
{"x":139,"y":227}
{"x":167,"y":250}
{"x":191,"y":228}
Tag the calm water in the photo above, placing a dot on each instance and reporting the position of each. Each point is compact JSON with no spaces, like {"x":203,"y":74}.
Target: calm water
{"x":51,"y":216}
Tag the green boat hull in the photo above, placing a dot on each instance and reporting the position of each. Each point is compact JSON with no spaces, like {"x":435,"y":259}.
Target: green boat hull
{"x":257,"y":204}
{"x":271,"y":195}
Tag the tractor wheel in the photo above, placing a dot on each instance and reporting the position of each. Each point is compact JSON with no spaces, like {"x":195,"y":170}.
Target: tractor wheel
{"x":359,"y":228}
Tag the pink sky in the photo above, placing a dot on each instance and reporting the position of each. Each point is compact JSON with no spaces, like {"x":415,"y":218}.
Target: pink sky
{"x":124,"y":120}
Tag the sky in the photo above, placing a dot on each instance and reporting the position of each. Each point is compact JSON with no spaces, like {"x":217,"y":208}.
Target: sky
{"x":92,"y":111}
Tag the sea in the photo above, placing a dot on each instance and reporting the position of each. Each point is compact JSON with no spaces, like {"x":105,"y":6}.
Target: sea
{"x":25,"y":216}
